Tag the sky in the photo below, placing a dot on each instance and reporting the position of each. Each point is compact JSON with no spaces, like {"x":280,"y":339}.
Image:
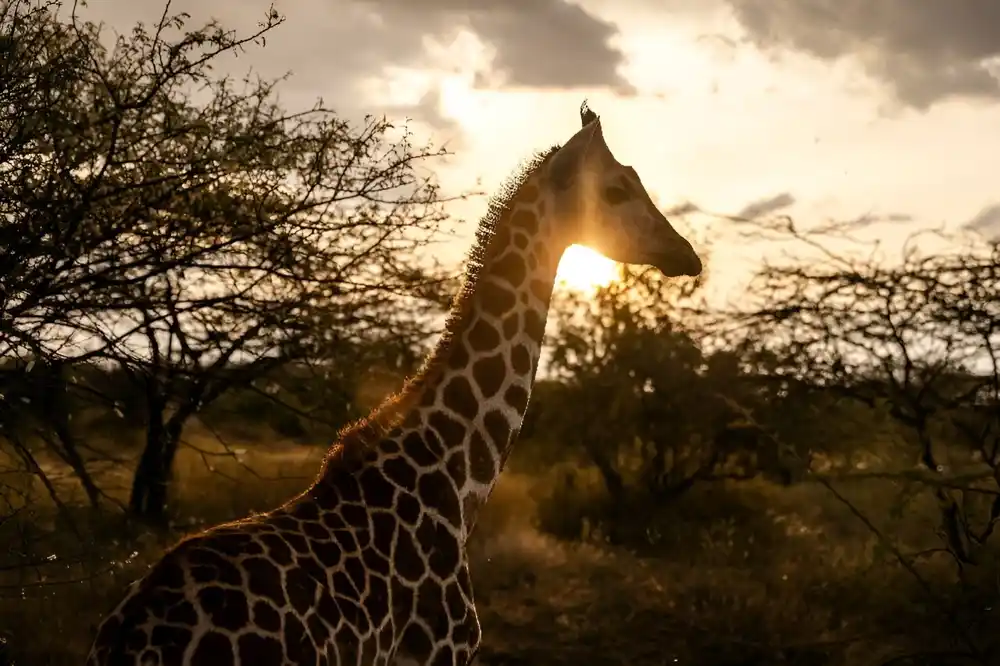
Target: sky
{"x":820,"y":109}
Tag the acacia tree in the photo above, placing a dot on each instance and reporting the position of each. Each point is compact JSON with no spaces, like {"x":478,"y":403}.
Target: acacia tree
{"x":183,"y":226}
{"x":637,"y":388}
{"x":917,"y":339}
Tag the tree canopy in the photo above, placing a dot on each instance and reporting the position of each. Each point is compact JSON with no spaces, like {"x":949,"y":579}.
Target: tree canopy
{"x":182,"y":225}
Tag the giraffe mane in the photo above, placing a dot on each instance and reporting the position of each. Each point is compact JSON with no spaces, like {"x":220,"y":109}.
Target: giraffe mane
{"x":356,"y":438}
{"x":484,"y":250}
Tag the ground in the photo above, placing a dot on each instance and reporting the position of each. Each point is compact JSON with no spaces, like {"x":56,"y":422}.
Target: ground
{"x":777,"y":581}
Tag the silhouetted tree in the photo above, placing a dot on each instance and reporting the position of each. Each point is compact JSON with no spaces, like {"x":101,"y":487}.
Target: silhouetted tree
{"x":638,"y":391}
{"x":917,"y":339}
{"x":184,"y":227}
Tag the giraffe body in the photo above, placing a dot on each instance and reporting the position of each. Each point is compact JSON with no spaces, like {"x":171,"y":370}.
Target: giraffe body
{"x":368,"y":566}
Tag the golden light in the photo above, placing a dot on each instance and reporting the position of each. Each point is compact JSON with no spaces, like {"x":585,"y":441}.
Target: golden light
{"x":457,"y":99}
{"x":585,"y":270}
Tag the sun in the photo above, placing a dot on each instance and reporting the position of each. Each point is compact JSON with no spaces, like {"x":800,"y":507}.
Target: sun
{"x":585,"y":270}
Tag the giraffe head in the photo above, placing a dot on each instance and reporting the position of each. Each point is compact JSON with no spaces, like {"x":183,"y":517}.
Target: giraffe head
{"x":602,"y":204}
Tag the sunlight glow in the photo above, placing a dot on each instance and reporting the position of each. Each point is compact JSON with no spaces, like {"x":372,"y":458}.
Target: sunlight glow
{"x":585,"y":270}
{"x":457,"y":99}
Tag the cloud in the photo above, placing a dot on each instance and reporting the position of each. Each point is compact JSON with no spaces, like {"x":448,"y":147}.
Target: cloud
{"x":535,"y":43}
{"x":986,"y":222}
{"x":924,"y":50}
{"x":333,"y":48}
{"x":428,"y":110}
{"x":766,"y":206}
{"x":328,"y":49}
{"x":682,"y":208}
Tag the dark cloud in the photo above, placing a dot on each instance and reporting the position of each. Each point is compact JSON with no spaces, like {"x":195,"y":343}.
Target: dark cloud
{"x":332,"y":46}
{"x":328,"y":50}
{"x":683,"y":208}
{"x":925,"y":50}
{"x":766,"y":206}
{"x":536,"y":43}
{"x":986,"y":222}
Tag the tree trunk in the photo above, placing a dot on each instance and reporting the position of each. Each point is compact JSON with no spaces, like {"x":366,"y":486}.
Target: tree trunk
{"x":148,"y":501}
{"x":70,"y":454}
{"x":52,"y":402}
{"x":612,"y":479}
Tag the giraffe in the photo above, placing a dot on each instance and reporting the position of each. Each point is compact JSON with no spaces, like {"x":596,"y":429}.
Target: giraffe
{"x":368,"y":565}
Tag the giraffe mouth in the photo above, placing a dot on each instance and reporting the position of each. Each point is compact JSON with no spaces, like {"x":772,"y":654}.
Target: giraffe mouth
{"x":680,"y":262}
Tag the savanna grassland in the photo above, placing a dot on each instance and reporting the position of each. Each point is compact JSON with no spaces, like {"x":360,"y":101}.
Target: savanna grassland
{"x":731,"y":573}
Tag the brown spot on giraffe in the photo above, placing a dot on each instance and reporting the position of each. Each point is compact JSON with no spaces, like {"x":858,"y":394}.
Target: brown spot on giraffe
{"x":497,"y":428}
{"x":368,"y":565}
{"x":489,"y":374}
{"x":520,"y":359}
{"x":482,"y":465}
{"x":512,"y":268}
{"x":529,"y":193}
{"x":459,"y":397}
{"x":517,"y":397}
{"x":540,"y":289}
{"x":497,"y":299}
{"x":483,"y":337}
{"x":400,"y":471}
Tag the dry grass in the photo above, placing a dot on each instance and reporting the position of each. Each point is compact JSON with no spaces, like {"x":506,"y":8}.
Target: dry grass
{"x":789,"y":578}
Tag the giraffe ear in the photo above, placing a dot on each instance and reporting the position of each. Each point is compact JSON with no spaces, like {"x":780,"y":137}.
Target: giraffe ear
{"x":569,"y":159}
{"x":587,"y":115}
{"x":589,"y":119}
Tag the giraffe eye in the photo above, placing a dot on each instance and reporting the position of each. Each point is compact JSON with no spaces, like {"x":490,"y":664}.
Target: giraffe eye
{"x":615,"y":195}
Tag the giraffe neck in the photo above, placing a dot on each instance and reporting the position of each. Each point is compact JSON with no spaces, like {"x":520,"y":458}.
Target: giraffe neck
{"x":482,"y":372}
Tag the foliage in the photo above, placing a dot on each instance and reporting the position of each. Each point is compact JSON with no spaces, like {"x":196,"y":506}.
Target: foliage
{"x":642,"y":399}
{"x":187,"y":230}
{"x":917,"y":338}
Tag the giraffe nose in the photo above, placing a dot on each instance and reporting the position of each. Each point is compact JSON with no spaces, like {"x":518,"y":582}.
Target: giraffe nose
{"x":679,"y":259}
{"x":688,"y":262}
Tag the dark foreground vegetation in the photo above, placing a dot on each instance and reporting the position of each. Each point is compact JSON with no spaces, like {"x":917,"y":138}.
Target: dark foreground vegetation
{"x":196,"y":291}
